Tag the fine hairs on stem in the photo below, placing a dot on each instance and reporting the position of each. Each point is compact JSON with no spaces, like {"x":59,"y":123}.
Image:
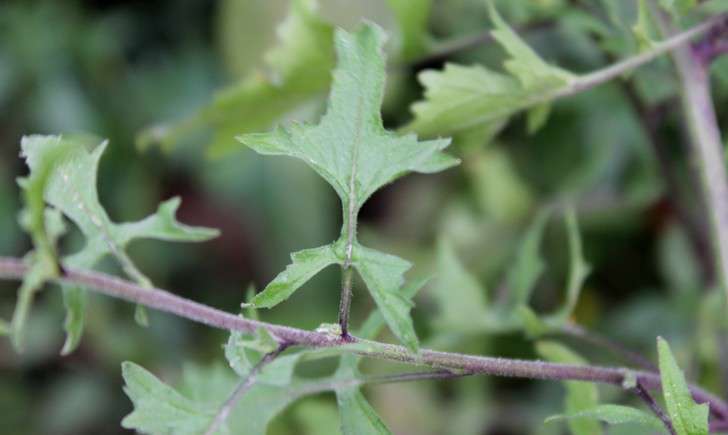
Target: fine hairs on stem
{"x":162,"y":300}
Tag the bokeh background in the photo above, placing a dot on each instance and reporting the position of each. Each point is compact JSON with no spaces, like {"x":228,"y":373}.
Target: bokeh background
{"x":115,"y":68}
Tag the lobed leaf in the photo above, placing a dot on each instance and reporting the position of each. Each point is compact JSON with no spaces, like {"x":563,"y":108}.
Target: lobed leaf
{"x":161,"y":409}
{"x":688,"y":417}
{"x":463,"y":98}
{"x":70,"y":188}
{"x":353,"y":152}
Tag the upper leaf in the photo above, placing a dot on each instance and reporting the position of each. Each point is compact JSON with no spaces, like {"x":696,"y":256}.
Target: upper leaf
{"x":350,"y":148}
{"x":462,"y":98}
{"x":688,"y":418}
{"x":353,"y":152}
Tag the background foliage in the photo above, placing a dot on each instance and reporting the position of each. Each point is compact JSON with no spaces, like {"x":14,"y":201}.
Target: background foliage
{"x":170,"y":83}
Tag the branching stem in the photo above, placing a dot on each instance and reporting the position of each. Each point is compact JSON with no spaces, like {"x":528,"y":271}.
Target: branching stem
{"x":13,"y":268}
{"x":643,"y":394}
{"x":241,"y":389}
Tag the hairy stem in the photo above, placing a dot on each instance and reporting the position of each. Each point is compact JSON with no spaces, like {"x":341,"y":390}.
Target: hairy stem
{"x":13,"y":268}
{"x":643,"y":394}
{"x":241,"y":389}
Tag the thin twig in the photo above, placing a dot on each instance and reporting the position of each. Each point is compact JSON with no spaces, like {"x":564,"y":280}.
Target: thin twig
{"x":14,"y":268}
{"x":241,"y":389}
{"x":643,"y":394}
{"x":603,"y":75}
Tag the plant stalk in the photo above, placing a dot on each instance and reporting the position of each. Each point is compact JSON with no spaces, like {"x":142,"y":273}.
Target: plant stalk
{"x":13,"y":268}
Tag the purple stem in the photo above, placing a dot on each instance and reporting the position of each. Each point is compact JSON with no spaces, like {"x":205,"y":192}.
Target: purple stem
{"x":163,"y":300}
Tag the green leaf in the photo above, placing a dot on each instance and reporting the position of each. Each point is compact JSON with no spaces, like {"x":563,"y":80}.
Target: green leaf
{"x":461,"y":98}
{"x":357,"y":415}
{"x":412,"y":16}
{"x":44,"y":226}
{"x":384,"y":275}
{"x":349,"y":148}
{"x":580,"y":396}
{"x":71,"y":189}
{"x":643,"y":29}
{"x":688,"y":418}
{"x":578,"y":266}
{"x":678,"y":8}
{"x":159,"y":408}
{"x":462,"y":300}
{"x":528,"y":266}
{"x":353,"y":152}
{"x":297,"y":70}
{"x":614,"y":415}
{"x":306,"y":264}
{"x":244,"y":351}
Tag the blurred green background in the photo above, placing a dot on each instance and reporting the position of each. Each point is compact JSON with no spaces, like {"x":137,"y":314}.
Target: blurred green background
{"x":115,"y":68}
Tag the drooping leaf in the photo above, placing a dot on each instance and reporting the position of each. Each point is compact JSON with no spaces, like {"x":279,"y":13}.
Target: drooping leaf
{"x":580,"y":396}
{"x":460,"y":297}
{"x":353,"y":152}
{"x":614,"y":415}
{"x":578,"y":266}
{"x":357,"y":415}
{"x":529,"y":264}
{"x":71,"y":189}
{"x":688,"y":418}
{"x":412,"y":16}
{"x":502,"y":193}
{"x":461,"y":98}
{"x":43,"y":225}
{"x":297,"y":69}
